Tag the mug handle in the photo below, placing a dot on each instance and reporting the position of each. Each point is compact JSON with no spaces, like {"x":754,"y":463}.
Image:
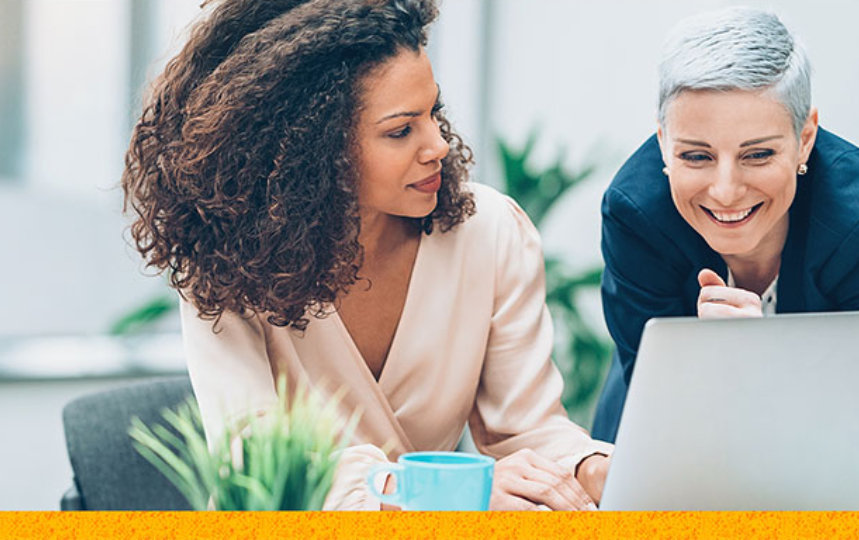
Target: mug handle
{"x":391,"y":468}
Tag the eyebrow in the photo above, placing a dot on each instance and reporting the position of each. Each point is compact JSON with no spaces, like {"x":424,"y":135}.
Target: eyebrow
{"x":409,"y":114}
{"x":742,"y":145}
{"x":692,"y":142}
{"x":761,"y":140}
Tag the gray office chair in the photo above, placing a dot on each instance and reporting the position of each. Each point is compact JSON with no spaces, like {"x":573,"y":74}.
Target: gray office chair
{"x":109,"y":474}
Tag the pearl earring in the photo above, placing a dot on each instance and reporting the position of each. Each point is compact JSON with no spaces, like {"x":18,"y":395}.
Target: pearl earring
{"x":802,"y":169}
{"x":665,"y":170}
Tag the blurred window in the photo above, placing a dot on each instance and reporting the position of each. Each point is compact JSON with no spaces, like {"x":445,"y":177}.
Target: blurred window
{"x":142,"y":35}
{"x":11,"y":89}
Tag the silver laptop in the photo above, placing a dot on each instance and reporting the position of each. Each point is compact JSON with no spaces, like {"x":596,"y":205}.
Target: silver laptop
{"x":741,"y":414}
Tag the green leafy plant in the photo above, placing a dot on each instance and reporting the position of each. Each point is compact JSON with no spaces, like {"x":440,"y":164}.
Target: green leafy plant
{"x":582,"y":355}
{"x":282,"y":460}
{"x":142,"y":317}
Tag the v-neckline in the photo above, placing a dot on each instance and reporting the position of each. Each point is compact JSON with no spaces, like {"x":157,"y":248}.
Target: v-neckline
{"x":356,"y":353}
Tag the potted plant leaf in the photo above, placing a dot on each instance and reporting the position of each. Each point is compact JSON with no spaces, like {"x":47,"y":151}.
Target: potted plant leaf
{"x":281,"y":460}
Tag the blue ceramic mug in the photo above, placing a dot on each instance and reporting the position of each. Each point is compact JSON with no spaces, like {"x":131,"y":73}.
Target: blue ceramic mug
{"x":438,"y":481}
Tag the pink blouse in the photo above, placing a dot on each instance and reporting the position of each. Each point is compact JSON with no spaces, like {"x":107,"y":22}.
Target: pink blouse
{"x":473,"y":345}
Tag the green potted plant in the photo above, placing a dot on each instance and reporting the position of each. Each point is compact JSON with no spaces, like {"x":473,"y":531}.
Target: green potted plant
{"x":282,"y":460}
{"x":581,"y":353}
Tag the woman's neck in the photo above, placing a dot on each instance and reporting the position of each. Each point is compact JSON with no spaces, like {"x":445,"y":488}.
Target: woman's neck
{"x":755,"y":271}
{"x":383,"y":234}
{"x":754,"y":276}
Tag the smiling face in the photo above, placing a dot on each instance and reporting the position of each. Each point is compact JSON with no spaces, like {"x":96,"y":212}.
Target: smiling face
{"x":732,"y":158}
{"x":400,"y":144}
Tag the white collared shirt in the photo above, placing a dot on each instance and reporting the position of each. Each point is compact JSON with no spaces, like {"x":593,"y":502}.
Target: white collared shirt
{"x":768,"y":298}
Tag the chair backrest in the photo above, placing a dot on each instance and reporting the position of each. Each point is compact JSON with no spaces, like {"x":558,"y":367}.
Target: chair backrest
{"x":109,"y":474}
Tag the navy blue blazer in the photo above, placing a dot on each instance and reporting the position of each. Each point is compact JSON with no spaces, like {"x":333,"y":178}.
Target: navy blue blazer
{"x":652,"y":256}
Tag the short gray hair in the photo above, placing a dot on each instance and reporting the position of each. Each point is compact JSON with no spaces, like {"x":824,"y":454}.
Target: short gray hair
{"x":736,"y":48}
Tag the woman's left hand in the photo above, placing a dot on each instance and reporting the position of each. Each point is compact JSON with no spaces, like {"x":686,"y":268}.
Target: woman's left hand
{"x":525,"y":480}
{"x":591,"y":474}
{"x":718,"y":301}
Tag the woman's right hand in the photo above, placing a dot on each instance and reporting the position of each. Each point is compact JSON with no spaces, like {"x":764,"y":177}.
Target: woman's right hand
{"x":525,"y":480}
{"x":718,"y":301}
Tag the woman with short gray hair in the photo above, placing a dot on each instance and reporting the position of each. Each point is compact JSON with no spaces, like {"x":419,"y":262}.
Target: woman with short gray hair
{"x":739,"y":206}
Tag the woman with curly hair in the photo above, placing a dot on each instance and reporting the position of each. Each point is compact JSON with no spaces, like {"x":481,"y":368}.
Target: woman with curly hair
{"x":293,"y":173}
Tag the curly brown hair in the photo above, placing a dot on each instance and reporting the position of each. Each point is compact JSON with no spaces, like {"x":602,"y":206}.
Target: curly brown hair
{"x":240,"y":170}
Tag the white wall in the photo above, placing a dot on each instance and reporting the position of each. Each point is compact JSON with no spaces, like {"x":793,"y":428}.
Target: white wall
{"x":76,"y":61}
{"x":65,"y":265}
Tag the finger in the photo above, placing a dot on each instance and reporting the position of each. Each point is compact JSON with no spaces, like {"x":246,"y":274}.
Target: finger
{"x":707,"y":277}
{"x":739,"y":298}
{"x":539,"y":462}
{"x":552,"y":473}
{"x":566,"y":486}
{"x":505,"y":501}
{"x":526,"y":459}
{"x":711,"y":310}
{"x":547,"y":494}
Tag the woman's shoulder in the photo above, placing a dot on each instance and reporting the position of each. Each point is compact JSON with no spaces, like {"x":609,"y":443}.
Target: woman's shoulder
{"x":487,"y":199}
{"x":496,"y":212}
{"x":640,"y":177}
{"x":640,"y":189}
{"x":498,"y":228}
{"x":832,"y":184}
{"x":827,"y":196}
{"x":830,"y":150}
{"x":227,"y":326}
{"x":637,"y":209}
